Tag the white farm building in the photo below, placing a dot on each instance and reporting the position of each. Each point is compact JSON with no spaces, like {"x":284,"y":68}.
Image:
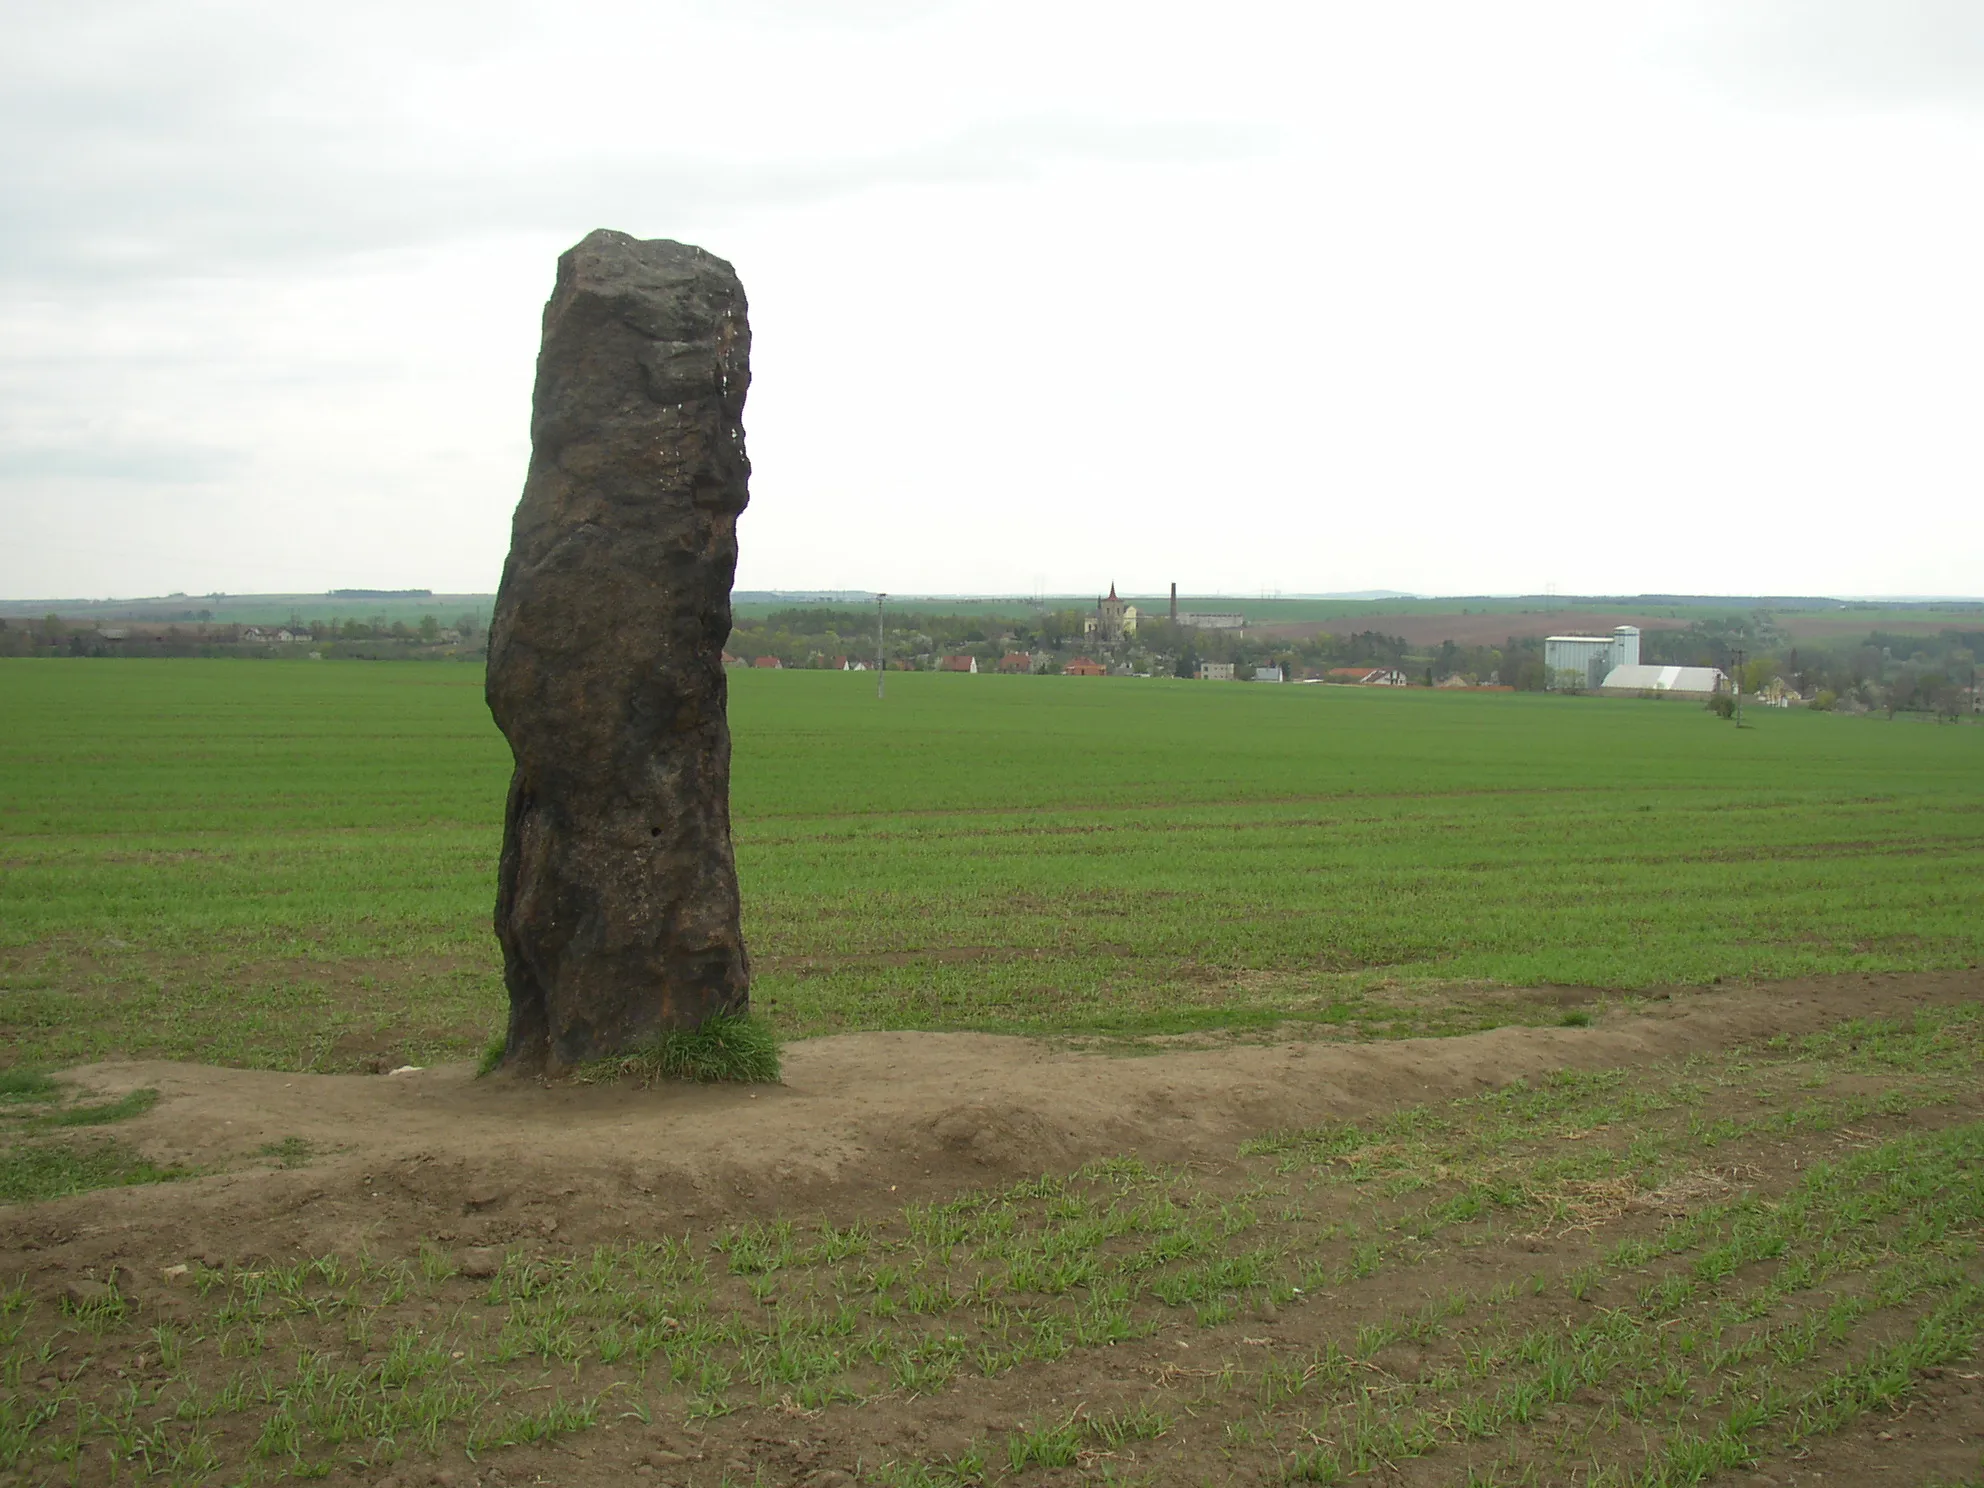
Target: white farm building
{"x":1675,"y":681}
{"x":1611,"y":664}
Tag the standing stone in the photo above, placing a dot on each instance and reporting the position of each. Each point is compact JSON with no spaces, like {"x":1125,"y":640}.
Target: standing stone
{"x":616,"y":897}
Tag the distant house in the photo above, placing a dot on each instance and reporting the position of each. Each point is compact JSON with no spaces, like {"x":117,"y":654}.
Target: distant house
{"x":1369,"y":676}
{"x":959,"y":664}
{"x":1081,"y":666}
{"x":1016,"y":661}
{"x":1215,"y":671}
{"x":729,"y":660}
{"x":1268,"y":673}
{"x":769,"y":664}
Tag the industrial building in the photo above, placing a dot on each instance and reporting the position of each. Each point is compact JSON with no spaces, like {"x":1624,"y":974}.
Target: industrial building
{"x":1201,"y":621}
{"x":1582,"y":663}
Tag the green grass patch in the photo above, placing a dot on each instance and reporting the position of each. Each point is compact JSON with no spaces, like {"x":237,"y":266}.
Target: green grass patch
{"x":53,"y":1170}
{"x":741,"y":1048}
{"x":132,"y":1103}
{"x":28,"y":1085}
{"x":290,"y":1152}
{"x":292,"y":866}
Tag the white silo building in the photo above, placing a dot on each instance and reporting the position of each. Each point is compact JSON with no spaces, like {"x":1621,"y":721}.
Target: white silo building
{"x":1582,"y":663}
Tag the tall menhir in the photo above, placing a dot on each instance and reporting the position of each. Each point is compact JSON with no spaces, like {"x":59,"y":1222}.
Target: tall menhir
{"x":616,"y":897}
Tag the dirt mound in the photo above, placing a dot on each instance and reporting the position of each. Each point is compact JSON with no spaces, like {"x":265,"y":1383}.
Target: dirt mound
{"x":862,"y":1123}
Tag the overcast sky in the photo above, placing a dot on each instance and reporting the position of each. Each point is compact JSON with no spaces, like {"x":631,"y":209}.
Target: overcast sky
{"x":1447,"y":297}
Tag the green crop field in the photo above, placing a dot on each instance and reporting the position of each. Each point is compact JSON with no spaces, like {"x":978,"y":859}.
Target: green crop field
{"x":292,"y":866}
{"x":1753,"y":1251}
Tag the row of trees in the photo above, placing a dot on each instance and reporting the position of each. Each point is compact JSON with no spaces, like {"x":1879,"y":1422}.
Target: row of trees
{"x":814,"y":635}
{"x":429,"y":630}
{"x":52,"y":635}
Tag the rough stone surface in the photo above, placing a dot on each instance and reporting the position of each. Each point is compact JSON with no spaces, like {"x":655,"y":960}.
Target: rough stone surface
{"x":616,"y":897}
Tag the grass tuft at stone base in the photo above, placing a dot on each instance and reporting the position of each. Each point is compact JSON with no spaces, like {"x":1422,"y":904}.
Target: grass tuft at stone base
{"x":738,"y":1048}
{"x":492,"y":1055}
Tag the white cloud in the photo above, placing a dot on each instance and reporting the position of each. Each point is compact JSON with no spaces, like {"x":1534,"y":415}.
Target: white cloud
{"x":1435,"y":296}
{"x":1849,"y":53}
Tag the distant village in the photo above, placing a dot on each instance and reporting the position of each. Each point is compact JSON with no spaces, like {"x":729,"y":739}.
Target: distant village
{"x":1116,"y":638}
{"x":1112,"y":639}
{"x":1717,"y":656}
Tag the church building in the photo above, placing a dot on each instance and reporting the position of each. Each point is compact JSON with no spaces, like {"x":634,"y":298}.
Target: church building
{"x":1113,"y":619}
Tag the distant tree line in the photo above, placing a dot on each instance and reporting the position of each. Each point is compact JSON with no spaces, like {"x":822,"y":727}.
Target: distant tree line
{"x":431,"y":637}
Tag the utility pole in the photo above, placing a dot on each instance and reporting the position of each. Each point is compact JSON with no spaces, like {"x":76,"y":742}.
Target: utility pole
{"x":1736,"y":683}
{"x":881,"y":664}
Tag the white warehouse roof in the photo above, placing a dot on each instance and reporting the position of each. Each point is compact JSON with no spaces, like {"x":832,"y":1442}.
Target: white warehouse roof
{"x":1665,"y":678}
